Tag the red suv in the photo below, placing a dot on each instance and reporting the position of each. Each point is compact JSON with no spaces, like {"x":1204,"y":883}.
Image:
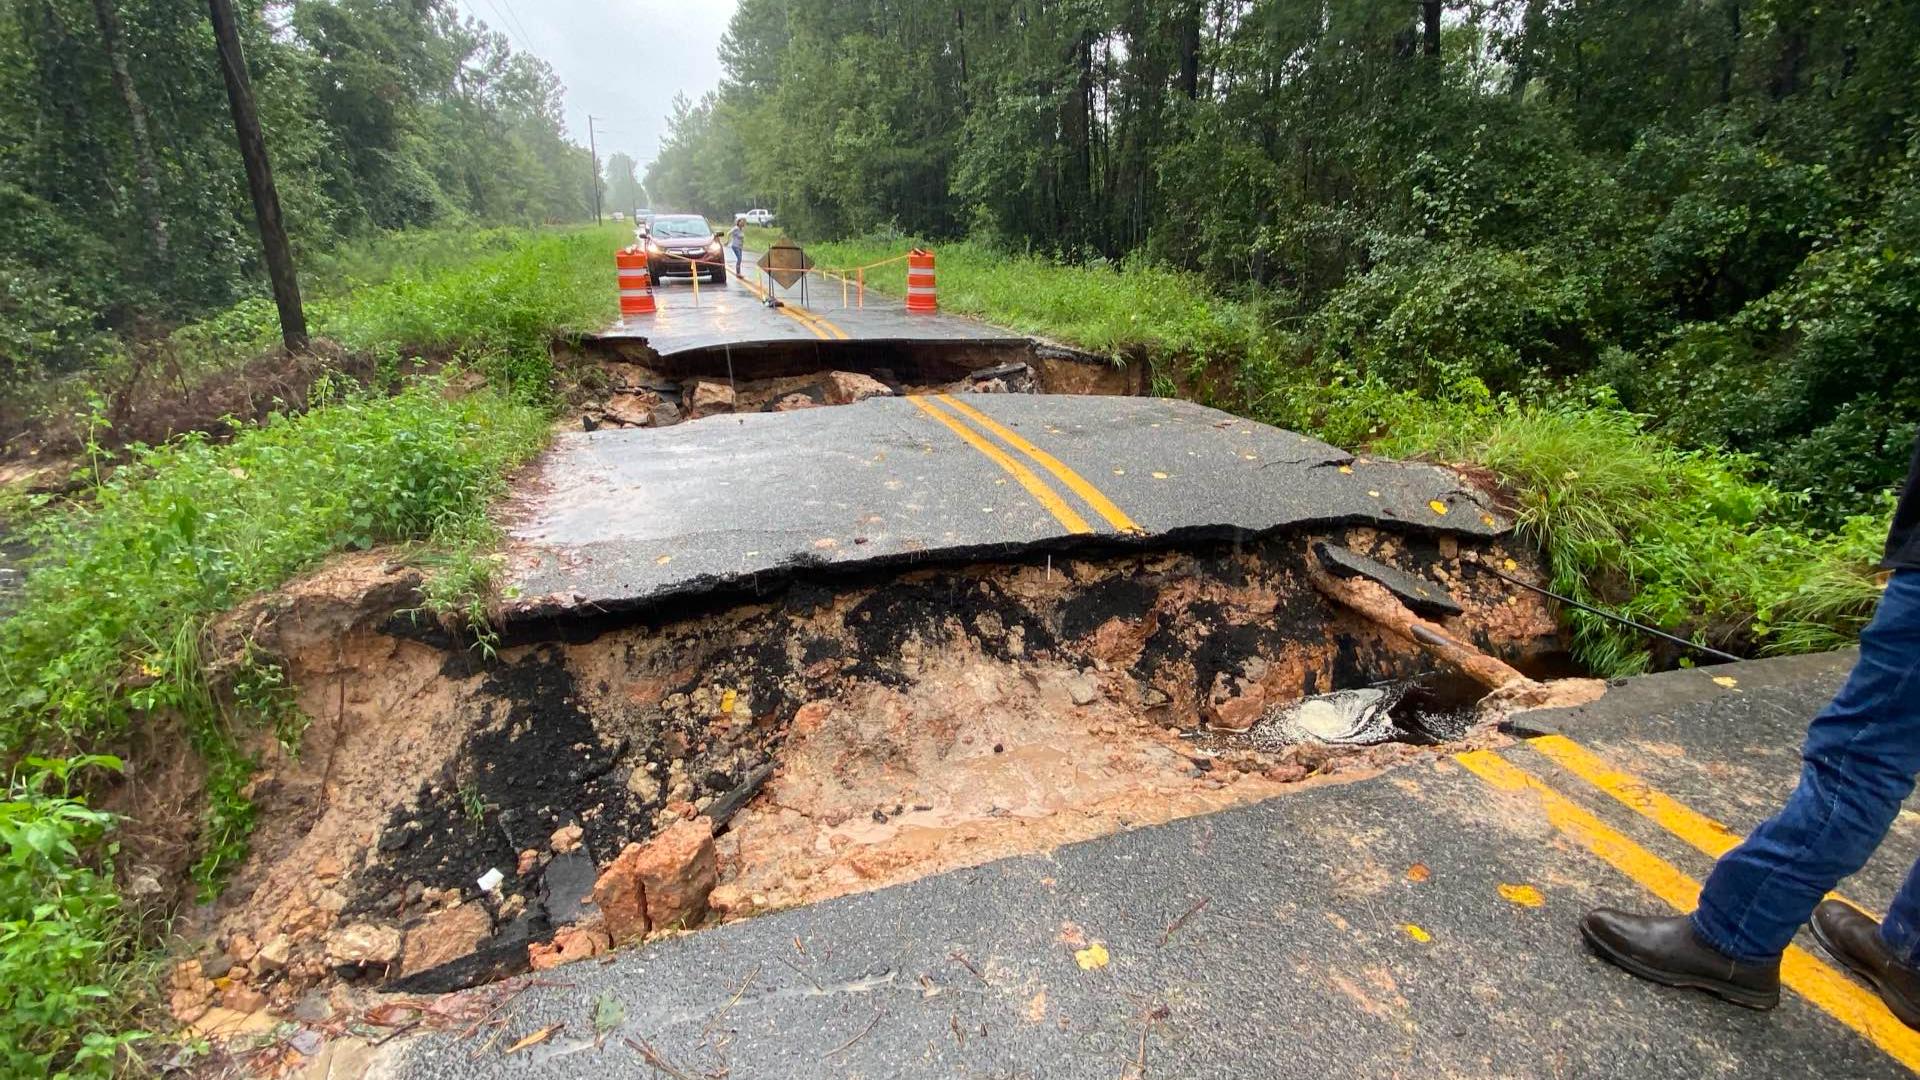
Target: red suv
{"x":675,"y":242}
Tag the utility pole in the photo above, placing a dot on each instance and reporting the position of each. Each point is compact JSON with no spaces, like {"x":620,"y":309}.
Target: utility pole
{"x":266,"y":201}
{"x":594,"y":149}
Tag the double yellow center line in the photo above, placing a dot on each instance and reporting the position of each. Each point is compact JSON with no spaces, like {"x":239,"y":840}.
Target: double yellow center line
{"x":978,"y":430}
{"x":1807,"y":975}
{"x":816,"y":324}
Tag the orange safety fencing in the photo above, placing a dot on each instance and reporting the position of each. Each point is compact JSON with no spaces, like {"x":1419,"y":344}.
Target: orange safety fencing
{"x":636,"y":292}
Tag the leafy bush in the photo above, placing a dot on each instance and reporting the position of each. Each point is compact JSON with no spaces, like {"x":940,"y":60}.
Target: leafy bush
{"x":500,"y":310}
{"x":1427,"y":315}
{"x":61,"y":928}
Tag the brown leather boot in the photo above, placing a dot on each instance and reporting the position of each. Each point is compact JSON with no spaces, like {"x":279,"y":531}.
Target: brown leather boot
{"x":1853,"y":938}
{"x":1667,"y":951}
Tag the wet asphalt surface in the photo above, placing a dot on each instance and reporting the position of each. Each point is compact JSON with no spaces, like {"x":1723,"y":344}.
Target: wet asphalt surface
{"x":1351,"y":930}
{"x":736,"y":314}
{"x":625,"y":519}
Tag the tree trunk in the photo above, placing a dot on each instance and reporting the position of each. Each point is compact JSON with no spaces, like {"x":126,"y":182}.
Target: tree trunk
{"x":147,"y":173}
{"x":266,"y":201}
{"x":1795,"y":44}
{"x":1732,"y":55}
{"x":960,"y":51}
{"x":1190,"y":50}
{"x":1430,"y":27}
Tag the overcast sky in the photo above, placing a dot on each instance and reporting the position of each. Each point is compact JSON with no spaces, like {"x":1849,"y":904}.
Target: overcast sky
{"x":621,"y":60}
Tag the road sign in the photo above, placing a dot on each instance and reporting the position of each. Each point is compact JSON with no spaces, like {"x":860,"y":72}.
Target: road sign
{"x":785,"y":262}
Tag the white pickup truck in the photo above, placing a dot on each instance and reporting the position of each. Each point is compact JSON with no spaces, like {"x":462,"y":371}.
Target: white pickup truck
{"x":758,"y":217}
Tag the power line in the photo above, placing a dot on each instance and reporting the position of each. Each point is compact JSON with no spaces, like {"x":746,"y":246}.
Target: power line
{"x":507,"y":30}
{"x":517,"y":25}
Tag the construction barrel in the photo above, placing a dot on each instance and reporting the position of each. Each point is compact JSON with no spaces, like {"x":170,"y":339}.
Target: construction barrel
{"x":920,"y":294}
{"x":636,"y":284}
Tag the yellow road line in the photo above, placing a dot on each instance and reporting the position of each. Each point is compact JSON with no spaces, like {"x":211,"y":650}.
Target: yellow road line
{"x":1706,"y":835}
{"x":1077,"y":484}
{"x":807,"y":317}
{"x":1802,"y":972}
{"x":814,"y":318}
{"x":1035,"y":486}
{"x":789,"y":312}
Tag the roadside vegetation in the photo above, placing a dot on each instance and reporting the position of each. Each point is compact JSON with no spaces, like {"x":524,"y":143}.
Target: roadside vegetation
{"x":129,"y":569}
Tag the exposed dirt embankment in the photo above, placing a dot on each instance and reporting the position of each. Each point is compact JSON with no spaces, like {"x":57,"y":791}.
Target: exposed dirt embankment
{"x":446,"y":820}
{"x":625,"y":384}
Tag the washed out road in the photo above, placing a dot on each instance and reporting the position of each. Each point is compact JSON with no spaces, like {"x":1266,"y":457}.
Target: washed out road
{"x":623,"y":519}
{"x":1416,"y":923}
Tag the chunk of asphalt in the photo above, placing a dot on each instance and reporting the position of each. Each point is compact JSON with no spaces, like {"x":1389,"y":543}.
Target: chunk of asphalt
{"x":1423,"y":596}
{"x":565,"y":886}
{"x":1018,"y":375}
{"x":504,"y":955}
{"x":723,"y":808}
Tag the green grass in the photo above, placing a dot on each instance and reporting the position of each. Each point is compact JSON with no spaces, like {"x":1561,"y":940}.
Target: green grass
{"x":1683,"y":540}
{"x":501,"y":309}
{"x":1123,"y":310}
{"x":109,"y":629}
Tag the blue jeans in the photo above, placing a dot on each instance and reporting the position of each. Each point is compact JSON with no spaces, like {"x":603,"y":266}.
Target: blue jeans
{"x":739,"y":255}
{"x":1861,"y":756}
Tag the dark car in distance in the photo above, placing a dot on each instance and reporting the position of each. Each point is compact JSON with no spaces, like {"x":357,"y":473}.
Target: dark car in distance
{"x":676,"y":242}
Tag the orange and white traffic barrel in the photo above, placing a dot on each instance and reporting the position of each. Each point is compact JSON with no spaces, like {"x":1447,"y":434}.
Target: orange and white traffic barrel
{"x":636,"y":284}
{"x":920,"y":295}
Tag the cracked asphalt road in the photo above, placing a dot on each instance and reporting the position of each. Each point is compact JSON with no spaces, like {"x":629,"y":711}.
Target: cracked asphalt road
{"x":624,"y":519}
{"x":1416,"y":923}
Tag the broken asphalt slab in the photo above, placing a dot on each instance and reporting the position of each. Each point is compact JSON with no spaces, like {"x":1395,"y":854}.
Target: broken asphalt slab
{"x":618,"y":521}
{"x":1416,"y":923}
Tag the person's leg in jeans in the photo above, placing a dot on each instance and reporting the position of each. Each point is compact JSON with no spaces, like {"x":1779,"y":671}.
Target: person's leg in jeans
{"x":1858,"y":765}
{"x":1861,"y":756}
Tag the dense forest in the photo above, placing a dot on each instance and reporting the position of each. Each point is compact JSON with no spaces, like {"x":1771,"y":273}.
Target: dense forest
{"x":1705,"y":209}
{"x":121,"y":187}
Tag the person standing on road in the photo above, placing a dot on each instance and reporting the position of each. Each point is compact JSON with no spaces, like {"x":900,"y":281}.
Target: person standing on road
{"x":737,"y":240}
{"x":1858,"y":765}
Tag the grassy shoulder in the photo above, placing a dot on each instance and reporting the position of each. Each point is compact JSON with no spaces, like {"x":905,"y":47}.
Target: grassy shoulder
{"x":107,"y":633}
{"x":1683,"y":539}
{"x":1126,"y":310}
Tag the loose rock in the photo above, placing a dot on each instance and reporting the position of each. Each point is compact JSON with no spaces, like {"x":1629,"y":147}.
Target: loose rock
{"x":570,"y":944}
{"x":1236,"y":704}
{"x":847,"y":387}
{"x":565,"y":838}
{"x":659,"y":885}
{"x":706,"y":398}
{"x":1083,"y":690}
{"x":274,"y":954}
{"x":364,"y":944}
{"x":447,"y":935}
{"x":242,"y":998}
{"x":631,"y":410}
